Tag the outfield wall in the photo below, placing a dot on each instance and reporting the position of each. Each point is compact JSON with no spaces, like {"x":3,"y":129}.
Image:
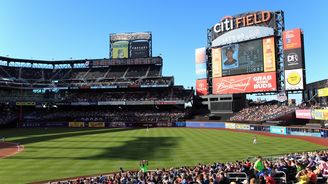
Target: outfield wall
{"x":99,"y":124}
{"x":300,"y":131}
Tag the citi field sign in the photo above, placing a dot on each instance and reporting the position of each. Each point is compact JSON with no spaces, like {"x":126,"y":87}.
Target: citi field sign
{"x":242,"y":27}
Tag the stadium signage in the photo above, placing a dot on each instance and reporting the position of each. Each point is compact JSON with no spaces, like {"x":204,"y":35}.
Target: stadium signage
{"x":303,"y":114}
{"x":201,"y":87}
{"x":245,"y":83}
{"x":322,"y":92}
{"x":230,"y":23}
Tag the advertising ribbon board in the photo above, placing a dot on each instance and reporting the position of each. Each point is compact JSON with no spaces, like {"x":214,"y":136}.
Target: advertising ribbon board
{"x":303,"y":114}
{"x":76,"y":124}
{"x":278,"y":130}
{"x":96,"y":124}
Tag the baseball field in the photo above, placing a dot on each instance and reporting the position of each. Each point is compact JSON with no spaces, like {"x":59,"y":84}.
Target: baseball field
{"x":56,"y":153}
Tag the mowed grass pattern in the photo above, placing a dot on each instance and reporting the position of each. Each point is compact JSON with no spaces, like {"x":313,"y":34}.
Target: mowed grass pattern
{"x":68,"y":152}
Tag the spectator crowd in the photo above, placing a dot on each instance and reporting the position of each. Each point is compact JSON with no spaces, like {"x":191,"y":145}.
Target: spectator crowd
{"x":304,"y":168}
{"x":127,"y":116}
{"x":260,"y":113}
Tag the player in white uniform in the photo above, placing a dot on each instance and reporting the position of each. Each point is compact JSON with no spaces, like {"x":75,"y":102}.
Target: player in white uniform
{"x":254,"y":139}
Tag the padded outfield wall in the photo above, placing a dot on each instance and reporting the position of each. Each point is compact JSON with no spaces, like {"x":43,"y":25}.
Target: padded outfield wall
{"x":301,"y":131}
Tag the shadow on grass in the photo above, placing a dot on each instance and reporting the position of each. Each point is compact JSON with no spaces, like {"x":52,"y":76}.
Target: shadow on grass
{"x":51,"y":134}
{"x":140,"y":148}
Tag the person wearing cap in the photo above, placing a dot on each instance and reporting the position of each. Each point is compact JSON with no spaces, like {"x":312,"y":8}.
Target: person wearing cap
{"x":230,"y":62}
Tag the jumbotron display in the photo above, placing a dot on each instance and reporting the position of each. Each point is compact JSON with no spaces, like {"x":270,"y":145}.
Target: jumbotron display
{"x":243,"y":58}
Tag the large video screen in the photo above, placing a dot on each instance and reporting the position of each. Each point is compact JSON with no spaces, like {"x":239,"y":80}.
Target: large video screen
{"x":242,"y":58}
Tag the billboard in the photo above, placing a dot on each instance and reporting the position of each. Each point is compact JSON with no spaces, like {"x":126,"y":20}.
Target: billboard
{"x":269,"y":55}
{"x":201,"y":72}
{"x":250,"y":83}
{"x":303,"y":114}
{"x":322,"y":92}
{"x":242,"y":126}
{"x":200,"y":55}
{"x":216,"y":63}
{"x":278,"y":130}
{"x":293,"y":59}
{"x":242,"y":58}
{"x":292,"y":39}
{"x":246,"y":26}
{"x":130,"y":36}
{"x":200,"y":59}
{"x":120,"y":49}
{"x":201,"y":87}
{"x":96,"y":124}
{"x":320,"y":114}
{"x":139,"y":49}
{"x":294,"y":79}
{"x":76,"y":124}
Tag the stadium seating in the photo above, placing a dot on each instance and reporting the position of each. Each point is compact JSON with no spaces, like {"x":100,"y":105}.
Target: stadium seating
{"x":258,"y":113}
{"x":284,"y":169}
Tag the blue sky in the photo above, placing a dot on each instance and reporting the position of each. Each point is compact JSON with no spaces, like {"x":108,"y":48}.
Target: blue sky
{"x":61,"y":29}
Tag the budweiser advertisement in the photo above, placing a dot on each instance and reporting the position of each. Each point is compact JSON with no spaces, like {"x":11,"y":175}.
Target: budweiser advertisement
{"x":250,"y":83}
{"x":303,"y":114}
{"x":201,"y":87}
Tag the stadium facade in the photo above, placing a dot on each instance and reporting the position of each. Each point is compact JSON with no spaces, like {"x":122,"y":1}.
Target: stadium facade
{"x":127,"y":89}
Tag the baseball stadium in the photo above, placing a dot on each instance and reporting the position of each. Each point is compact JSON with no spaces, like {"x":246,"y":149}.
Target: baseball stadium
{"x":121,"y":120}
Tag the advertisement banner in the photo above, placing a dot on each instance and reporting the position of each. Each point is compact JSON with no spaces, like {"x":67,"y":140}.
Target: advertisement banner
{"x":111,"y":103}
{"x":269,"y":54}
{"x":303,"y":114}
{"x":294,"y":79}
{"x":180,"y":124}
{"x":80,"y":103}
{"x":96,"y":124}
{"x":292,"y":39}
{"x":293,"y":59}
{"x":76,"y":124}
{"x":166,"y":102}
{"x":25,"y":103}
{"x":216,"y":63}
{"x":201,"y":87}
{"x":250,"y":83}
{"x":312,"y":134}
{"x":139,"y":49}
{"x":320,"y":114}
{"x":230,"y":125}
{"x":242,"y":126}
{"x":205,"y":124}
{"x":130,"y":36}
{"x":322,"y":92}
{"x":278,"y":130}
{"x":200,"y":55}
{"x":120,"y":49}
{"x":201,"y":72}
{"x":242,"y":34}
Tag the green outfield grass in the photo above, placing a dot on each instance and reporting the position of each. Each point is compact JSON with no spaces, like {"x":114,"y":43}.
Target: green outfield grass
{"x":68,"y":152}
